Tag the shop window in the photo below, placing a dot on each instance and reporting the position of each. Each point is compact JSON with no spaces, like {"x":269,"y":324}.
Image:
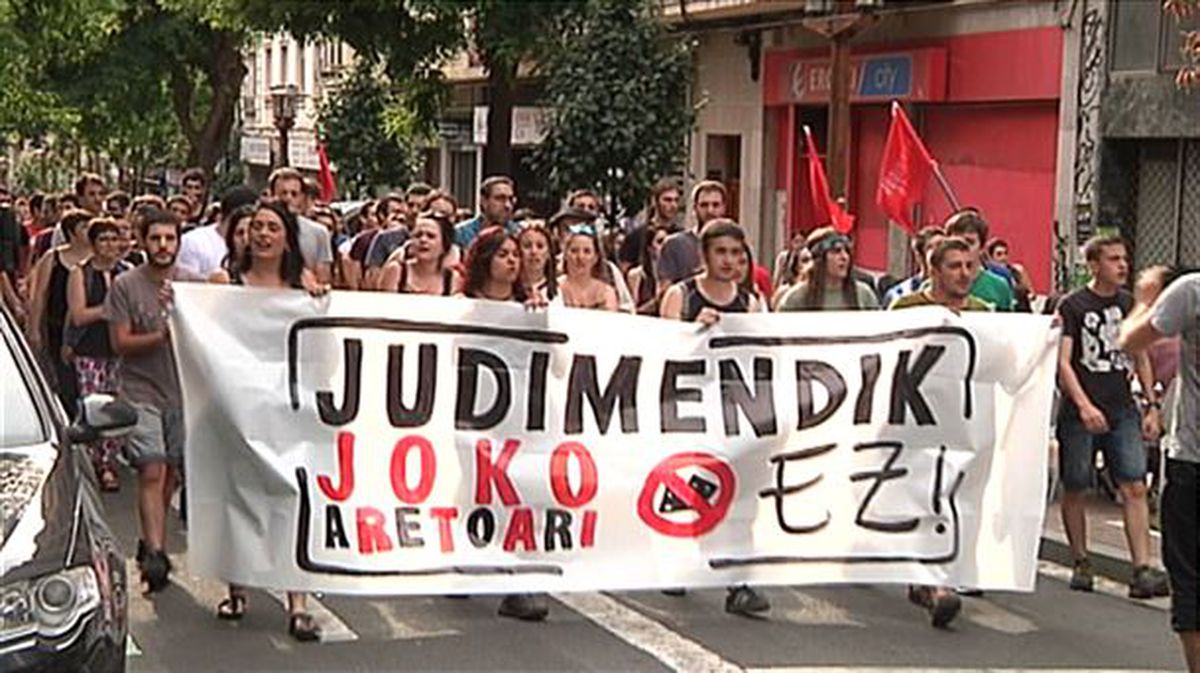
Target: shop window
{"x":1135,"y":42}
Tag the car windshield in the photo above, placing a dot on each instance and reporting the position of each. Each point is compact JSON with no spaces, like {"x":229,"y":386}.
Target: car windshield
{"x":19,"y":422}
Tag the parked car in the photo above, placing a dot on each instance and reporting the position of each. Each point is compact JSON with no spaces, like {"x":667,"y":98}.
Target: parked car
{"x":63,"y":590}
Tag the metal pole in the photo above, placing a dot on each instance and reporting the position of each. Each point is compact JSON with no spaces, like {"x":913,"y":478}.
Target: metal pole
{"x":839,"y":112}
{"x":951,"y":198}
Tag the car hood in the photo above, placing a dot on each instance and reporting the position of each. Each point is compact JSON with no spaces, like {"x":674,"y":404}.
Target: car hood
{"x":38,"y":520}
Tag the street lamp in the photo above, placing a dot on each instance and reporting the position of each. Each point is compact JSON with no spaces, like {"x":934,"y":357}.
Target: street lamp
{"x":283,"y":107}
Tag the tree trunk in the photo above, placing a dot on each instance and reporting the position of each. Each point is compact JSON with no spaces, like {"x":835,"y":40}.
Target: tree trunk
{"x":207,"y":144}
{"x":497,"y":156}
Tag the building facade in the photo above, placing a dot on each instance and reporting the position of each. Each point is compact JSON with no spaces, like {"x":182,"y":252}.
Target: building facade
{"x":983,"y":82}
{"x":274,"y":63}
{"x":1148,"y":134}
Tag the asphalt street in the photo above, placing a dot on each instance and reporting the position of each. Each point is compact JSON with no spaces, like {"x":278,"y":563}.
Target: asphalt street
{"x":809,"y":630}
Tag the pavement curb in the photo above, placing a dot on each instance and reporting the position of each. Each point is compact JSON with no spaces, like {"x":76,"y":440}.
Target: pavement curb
{"x":1107,"y":561}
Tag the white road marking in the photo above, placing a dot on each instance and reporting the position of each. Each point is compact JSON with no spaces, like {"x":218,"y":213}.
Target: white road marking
{"x":815,"y":611}
{"x":672,"y":649}
{"x":1118,"y":523}
{"x":987,"y":614}
{"x":901,"y":670}
{"x":131,"y":646}
{"x":398,"y":629}
{"x":333,"y":629}
{"x":1103,"y":586}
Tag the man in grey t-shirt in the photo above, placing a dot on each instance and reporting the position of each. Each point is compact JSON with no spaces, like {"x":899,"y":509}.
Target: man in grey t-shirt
{"x":136,"y":311}
{"x":680,"y":257}
{"x":1163,"y":313}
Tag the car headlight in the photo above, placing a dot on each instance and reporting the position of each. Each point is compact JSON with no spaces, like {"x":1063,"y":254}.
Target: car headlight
{"x":50,"y":605}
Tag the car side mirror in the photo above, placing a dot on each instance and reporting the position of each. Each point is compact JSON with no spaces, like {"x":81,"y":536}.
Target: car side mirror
{"x":102,"y":417}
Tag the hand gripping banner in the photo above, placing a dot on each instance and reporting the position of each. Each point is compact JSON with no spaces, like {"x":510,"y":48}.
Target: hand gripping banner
{"x":388,"y":444}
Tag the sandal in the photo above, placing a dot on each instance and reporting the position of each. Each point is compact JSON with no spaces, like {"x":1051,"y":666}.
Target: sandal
{"x":109,"y":481}
{"x":232,"y":608}
{"x":303,"y":627}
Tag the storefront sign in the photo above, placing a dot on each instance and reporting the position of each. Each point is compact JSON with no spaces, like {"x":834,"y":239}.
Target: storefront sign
{"x":302,"y":152}
{"x":914,"y":75}
{"x":528,"y":125}
{"x":256,"y":150}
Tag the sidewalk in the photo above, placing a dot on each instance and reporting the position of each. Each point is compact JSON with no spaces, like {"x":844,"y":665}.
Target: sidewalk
{"x":1106,"y":540}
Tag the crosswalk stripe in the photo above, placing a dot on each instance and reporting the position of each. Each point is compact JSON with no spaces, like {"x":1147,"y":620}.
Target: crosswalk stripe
{"x":131,"y":646}
{"x":398,"y":629}
{"x":987,"y":614}
{"x":333,"y":629}
{"x":940,"y":670}
{"x":816,"y":612}
{"x":674,"y":650}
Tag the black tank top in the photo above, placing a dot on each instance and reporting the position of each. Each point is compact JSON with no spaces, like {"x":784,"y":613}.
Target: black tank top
{"x":694,"y":301}
{"x":447,"y":281}
{"x":56,"y":300}
{"x":94,"y":343}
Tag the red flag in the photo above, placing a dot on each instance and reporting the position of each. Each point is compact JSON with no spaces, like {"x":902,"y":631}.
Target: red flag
{"x":827,"y":211}
{"x":325,"y":176}
{"x":904,"y":171}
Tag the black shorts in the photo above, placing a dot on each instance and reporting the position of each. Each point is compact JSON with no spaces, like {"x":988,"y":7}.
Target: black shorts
{"x":1181,"y":542}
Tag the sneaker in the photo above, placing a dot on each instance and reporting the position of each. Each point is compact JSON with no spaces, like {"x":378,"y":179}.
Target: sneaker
{"x":1082,"y":578}
{"x":156,"y":569}
{"x":141,"y":552}
{"x":746,"y":602}
{"x":1148,"y":582}
{"x":526,"y":607}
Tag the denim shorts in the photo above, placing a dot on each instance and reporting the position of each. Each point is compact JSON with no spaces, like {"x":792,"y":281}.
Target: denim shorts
{"x":1124,"y":454}
{"x":158,"y":437}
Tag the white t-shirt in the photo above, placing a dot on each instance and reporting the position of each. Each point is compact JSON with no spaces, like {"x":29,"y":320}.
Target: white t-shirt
{"x":315,"y":243}
{"x":202,"y":250}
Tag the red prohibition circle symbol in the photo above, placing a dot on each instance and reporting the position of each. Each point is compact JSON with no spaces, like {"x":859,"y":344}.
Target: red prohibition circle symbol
{"x":708,"y":514}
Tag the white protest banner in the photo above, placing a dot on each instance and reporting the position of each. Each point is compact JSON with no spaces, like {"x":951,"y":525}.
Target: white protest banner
{"x":388,"y":444}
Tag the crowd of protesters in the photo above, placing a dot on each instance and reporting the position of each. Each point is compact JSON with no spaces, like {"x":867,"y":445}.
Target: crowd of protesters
{"x":88,"y":274}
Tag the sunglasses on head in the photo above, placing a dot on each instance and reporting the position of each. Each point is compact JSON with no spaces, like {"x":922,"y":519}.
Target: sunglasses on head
{"x":582,"y":230}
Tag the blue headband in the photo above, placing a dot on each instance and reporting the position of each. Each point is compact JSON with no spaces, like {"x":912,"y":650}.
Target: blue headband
{"x":829,"y":243}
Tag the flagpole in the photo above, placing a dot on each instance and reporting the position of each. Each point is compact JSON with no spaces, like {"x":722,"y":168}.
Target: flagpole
{"x":946,"y":188}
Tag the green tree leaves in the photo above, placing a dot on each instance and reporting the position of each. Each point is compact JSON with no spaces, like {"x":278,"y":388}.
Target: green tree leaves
{"x":617,"y":86}
{"x":372,"y":132}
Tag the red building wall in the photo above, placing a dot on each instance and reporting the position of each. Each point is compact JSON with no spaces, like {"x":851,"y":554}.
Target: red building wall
{"x":995,"y":133}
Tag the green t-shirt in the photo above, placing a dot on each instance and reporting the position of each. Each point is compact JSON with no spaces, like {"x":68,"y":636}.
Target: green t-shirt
{"x":925,"y":298}
{"x":993,"y":289}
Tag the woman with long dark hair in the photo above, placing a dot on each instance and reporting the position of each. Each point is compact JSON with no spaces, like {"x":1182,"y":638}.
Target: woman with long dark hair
{"x":236,"y":237}
{"x":643,"y":279}
{"x":423,"y":270}
{"x":830,"y":284}
{"x":493,"y":267}
{"x":493,"y":272}
{"x":272,"y":259}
